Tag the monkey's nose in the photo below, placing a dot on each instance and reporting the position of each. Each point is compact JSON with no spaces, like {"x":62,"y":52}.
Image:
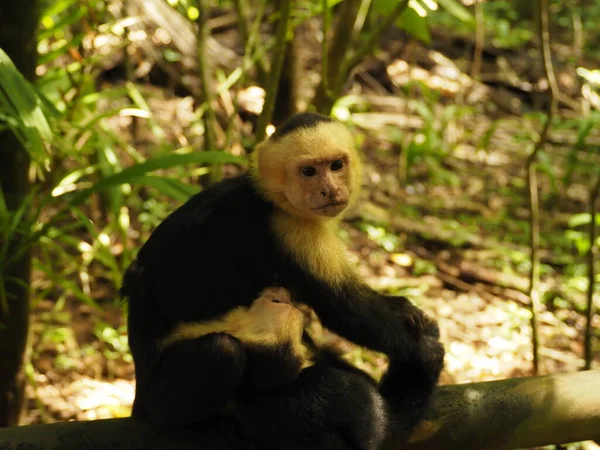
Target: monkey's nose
{"x":323,"y":193}
{"x":281,"y":295}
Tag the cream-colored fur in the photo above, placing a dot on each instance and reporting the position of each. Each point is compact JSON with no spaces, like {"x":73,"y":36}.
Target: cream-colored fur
{"x":326,"y":141}
{"x":315,"y":245}
{"x":312,"y":240}
{"x":248,"y":328}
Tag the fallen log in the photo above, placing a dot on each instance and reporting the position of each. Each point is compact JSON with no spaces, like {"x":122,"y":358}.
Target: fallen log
{"x":496,"y":415}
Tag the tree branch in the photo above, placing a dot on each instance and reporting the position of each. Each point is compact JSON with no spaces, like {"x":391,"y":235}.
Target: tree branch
{"x":495,"y":415}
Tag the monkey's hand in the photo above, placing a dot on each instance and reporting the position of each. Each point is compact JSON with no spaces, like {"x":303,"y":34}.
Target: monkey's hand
{"x":414,"y":320}
{"x":431,"y":355}
{"x":409,"y":383}
{"x":423,"y":355}
{"x":422,"y":365}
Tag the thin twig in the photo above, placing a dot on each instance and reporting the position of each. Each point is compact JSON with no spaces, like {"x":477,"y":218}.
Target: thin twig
{"x":578,"y":36}
{"x":534,"y":223}
{"x":592,"y":253}
{"x":341,"y":40}
{"x":208,"y":94}
{"x":241,"y":9}
{"x":534,"y":243}
{"x":370,"y":43}
{"x":276,"y":66}
{"x":324,"y":51}
{"x":479,"y":39}
{"x":547,"y":52}
{"x":242,"y":14}
{"x":361,"y":17}
{"x":251,"y":41}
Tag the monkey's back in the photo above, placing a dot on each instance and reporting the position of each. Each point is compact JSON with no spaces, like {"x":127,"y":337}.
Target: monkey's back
{"x":210,"y":254}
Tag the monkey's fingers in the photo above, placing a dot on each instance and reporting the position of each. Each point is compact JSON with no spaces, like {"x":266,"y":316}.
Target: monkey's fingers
{"x":431,"y":355}
{"x":412,"y":317}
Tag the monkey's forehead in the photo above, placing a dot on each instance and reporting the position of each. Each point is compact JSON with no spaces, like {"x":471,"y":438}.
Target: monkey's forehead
{"x":300,"y":121}
{"x":325,"y":141}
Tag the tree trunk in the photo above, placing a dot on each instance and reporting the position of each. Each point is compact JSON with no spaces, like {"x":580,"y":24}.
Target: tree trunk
{"x":18,"y":24}
{"x":496,"y":415}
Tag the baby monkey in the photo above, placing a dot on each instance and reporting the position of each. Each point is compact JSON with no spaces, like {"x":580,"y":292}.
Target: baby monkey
{"x":290,"y":393}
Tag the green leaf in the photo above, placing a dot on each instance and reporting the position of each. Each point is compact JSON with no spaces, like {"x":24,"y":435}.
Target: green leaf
{"x":56,"y":7}
{"x":60,"y":50}
{"x":580,"y":219}
{"x":415,"y":25}
{"x":384,"y":7}
{"x":169,"y":186}
{"x":53,"y":27}
{"x":132,"y":173}
{"x":457,"y":10}
{"x":484,"y":143}
{"x":19,"y":99}
{"x":140,"y":102}
{"x":108,"y":164}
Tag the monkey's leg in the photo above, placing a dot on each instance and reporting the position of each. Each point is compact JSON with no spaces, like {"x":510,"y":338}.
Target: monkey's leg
{"x":327,"y":407}
{"x":193,"y":379}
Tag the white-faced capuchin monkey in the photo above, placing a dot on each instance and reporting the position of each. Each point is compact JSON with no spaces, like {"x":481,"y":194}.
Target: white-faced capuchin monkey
{"x":274,"y":226}
{"x":326,"y":403}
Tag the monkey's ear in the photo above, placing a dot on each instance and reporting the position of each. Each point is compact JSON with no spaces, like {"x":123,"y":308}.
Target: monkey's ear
{"x":269,"y":167}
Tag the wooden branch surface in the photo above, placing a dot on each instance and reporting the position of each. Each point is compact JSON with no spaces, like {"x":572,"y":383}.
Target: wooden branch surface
{"x":509,"y":414}
{"x":495,"y":415}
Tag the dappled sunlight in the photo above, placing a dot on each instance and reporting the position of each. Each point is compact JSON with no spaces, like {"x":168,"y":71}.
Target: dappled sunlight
{"x":87,"y":398}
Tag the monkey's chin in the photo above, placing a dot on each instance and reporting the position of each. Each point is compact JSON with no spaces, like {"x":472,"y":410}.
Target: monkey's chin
{"x":331,"y":210}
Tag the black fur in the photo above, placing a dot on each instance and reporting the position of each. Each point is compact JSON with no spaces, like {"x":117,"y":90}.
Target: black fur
{"x":304,"y":120}
{"x":329,"y":406}
{"x":218,"y":251}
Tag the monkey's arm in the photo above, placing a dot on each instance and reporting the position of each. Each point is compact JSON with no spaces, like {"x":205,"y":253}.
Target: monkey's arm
{"x":392,"y":325}
{"x":194,"y":379}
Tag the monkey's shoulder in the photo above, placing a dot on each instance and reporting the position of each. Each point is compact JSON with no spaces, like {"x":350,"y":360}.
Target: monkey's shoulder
{"x":232,"y":207}
{"x":236,"y":196}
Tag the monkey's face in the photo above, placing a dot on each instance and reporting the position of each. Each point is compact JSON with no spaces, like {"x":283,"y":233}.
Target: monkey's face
{"x":319,"y":186}
{"x":274,"y":314}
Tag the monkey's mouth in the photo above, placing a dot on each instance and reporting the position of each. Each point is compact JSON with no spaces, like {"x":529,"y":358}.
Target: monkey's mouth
{"x":332,"y":204}
{"x":330,"y":209}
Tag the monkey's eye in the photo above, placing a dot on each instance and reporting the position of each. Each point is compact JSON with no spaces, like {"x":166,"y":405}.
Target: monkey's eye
{"x":337,"y":165}
{"x":275,"y":301}
{"x":309,"y":171}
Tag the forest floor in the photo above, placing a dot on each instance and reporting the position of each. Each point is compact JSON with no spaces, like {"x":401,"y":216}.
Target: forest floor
{"x":451,"y":233}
